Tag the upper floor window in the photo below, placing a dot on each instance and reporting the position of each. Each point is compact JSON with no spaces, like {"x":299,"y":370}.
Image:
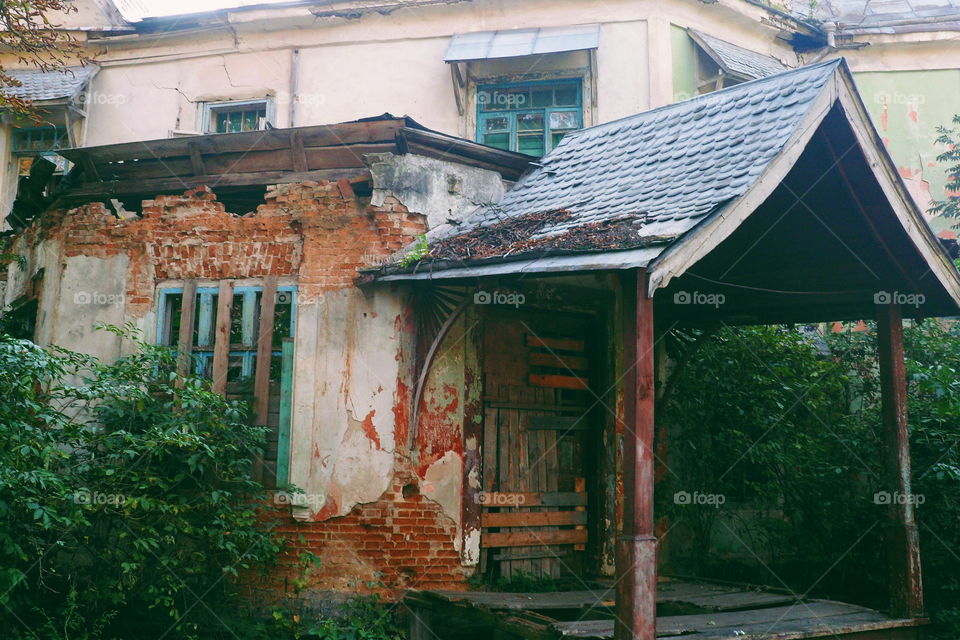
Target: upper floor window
{"x":529,"y":118}
{"x":30,"y":142}
{"x":236,"y":116}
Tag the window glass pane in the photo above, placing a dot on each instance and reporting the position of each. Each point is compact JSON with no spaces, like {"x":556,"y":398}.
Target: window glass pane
{"x":530,"y":121}
{"x":530,"y":144}
{"x":556,"y":138}
{"x":498,"y":140}
{"x":282,"y":317}
{"x":566,"y":95}
{"x":542,"y":97}
{"x":564,"y":120}
{"x":497,"y":124}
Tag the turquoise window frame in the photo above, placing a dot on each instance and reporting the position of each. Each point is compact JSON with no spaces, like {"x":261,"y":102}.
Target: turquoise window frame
{"x":511,"y":114}
{"x":203,"y":360}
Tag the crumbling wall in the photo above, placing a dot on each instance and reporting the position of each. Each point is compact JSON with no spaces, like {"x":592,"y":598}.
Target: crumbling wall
{"x":372,"y":509}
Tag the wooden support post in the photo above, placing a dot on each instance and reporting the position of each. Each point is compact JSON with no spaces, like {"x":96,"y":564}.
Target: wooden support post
{"x":221,"y":343}
{"x":636,"y":560}
{"x":261,"y":378}
{"x":902,"y":539}
{"x":185,"y":339}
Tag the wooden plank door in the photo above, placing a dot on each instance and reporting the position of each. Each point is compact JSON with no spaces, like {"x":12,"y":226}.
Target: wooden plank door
{"x":536,"y":422}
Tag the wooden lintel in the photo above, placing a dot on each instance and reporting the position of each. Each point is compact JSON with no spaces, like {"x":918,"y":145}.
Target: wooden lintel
{"x":159,"y":185}
{"x":221,"y":345}
{"x":902,"y":539}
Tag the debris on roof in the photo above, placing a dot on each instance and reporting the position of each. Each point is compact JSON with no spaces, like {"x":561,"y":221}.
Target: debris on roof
{"x":38,"y":86}
{"x":735,"y":60}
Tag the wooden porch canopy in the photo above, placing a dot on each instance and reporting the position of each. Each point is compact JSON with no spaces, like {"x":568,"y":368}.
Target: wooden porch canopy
{"x":768,"y":202}
{"x":255,"y":158}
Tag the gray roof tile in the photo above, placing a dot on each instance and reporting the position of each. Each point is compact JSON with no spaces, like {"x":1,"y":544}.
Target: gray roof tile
{"x":663,"y":169}
{"x":48,"y":85}
{"x":737,"y":60}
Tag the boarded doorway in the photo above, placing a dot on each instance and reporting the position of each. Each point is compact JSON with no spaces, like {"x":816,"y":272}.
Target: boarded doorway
{"x":537,"y":430}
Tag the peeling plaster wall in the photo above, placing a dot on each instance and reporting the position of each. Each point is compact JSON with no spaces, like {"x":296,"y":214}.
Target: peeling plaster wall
{"x":906,"y":108}
{"x":437,"y":189}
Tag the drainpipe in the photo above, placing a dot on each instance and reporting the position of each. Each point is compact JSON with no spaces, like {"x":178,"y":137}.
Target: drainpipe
{"x":294,"y":73}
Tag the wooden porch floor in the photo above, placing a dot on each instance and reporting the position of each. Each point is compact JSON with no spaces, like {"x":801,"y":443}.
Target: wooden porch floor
{"x":691,"y":610}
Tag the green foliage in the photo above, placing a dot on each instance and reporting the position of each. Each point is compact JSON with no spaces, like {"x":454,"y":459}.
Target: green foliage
{"x":950,"y":158}
{"x":416,"y":253}
{"x":364,"y":618}
{"x":127,"y":508}
{"x":794,"y":446}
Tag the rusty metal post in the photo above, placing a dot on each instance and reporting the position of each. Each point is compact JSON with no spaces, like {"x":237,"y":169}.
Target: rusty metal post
{"x":636,"y":561}
{"x":902,"y":539}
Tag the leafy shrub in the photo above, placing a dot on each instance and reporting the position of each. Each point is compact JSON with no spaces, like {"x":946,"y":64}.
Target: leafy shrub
{"x":127,"y":506}
{"x":789,"y":431}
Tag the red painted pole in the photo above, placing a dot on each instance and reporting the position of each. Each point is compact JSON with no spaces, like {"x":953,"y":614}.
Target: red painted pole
{"x":636,"y":561}
{"x":902,"y":539}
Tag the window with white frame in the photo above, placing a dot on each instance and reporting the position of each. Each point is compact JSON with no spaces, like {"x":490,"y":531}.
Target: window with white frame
{"x":244,"y":324}
{"x":237,"y":115}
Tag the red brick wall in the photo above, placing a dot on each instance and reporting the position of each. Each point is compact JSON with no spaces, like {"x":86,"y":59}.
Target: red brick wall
{"x":319,"y":232}
{"x":401,"y":541}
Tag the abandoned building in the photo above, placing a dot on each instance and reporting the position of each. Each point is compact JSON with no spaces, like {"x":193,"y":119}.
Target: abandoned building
{"x":457,"y":346}
{"x":467,"y":68}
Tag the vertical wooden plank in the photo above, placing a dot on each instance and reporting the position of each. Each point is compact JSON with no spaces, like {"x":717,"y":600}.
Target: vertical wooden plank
{"x":286,"y":403}
{"x":261,"y":378}
{"x":221,"y":345}
{"x":185,"y":339}
{"x":636,"y":559}
{"x":902,"y":538}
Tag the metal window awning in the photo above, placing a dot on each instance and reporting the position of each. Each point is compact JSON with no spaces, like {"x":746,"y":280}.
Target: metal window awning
{"x":484,"y":45}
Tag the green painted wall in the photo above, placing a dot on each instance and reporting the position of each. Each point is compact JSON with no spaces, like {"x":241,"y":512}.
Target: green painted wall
{"x":906,"y":108}
{"x":684,"y":55}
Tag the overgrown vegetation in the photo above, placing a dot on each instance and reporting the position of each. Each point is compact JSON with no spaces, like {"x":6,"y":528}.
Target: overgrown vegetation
{"x":949,"y":207}
{"x":128,"y":508}
{"x":794,"y":452}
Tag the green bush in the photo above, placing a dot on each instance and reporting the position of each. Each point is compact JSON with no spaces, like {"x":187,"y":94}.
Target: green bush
{"x":127,"y":507}
{"x":788,"y":430}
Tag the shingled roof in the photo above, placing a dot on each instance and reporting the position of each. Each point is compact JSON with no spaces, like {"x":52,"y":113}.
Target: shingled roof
{"x":653,"y":175}
{"x":735,"y":60}
{"x":663,"y":190}
{"x":38,"y":86}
